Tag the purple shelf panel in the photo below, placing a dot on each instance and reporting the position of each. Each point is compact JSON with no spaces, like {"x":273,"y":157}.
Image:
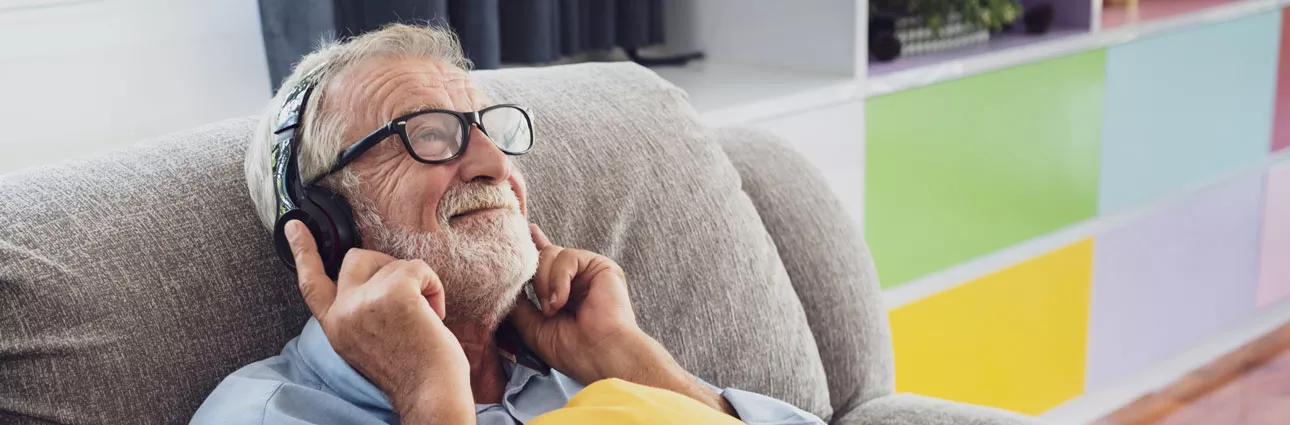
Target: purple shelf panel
{"x":997,"y":43}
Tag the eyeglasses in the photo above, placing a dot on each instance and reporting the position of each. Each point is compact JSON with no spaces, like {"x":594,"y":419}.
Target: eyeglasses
{"x":436,"y":136}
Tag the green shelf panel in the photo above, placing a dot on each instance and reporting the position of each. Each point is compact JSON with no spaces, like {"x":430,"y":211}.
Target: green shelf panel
{"x":967,"y":167}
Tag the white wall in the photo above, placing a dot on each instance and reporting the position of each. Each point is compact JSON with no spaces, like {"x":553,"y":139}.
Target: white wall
{"x":84,"y":76}
{"x":832,"y":139}
{"x":817,"y":36}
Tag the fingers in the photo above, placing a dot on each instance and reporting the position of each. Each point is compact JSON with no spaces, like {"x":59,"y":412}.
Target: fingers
{"x":527,"y":320}
{"x":557,"y":266}
{"x":317,"y":289}
{"x":564,"y":267}
{"x":418,"y":277}
{"x":360,"y":265}
{"x":521,"y":189}
{"x":541,"y":280}
{"x":546,"y":255}
{"x":432,"y":288}
{"x":539,"y":238}
{"x":599,"y":271}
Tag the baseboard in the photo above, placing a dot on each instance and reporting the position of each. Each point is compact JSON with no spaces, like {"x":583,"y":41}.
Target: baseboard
{"x":1090,"y":407}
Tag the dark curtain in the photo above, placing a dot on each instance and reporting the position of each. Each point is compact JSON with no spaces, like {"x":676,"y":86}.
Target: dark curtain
{"x":492,"y":32}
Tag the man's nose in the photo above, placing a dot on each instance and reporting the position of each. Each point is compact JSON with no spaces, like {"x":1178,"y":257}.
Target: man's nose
{"x":483,"y":161}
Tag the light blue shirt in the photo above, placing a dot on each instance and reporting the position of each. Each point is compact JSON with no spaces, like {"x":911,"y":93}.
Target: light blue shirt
{"x":310,"y":384}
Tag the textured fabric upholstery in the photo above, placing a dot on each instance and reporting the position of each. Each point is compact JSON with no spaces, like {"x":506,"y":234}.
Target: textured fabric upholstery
{"x":630,"y":173}
{"x":910,"y":409}
{"x":828,"y":262}
{"x":131,"y":283}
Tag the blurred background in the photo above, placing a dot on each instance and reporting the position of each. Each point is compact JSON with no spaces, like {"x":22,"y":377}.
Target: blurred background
{"x":1079,"y":209}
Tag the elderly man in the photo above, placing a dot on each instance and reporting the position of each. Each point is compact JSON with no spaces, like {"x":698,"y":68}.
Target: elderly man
{"x":429,"y":322}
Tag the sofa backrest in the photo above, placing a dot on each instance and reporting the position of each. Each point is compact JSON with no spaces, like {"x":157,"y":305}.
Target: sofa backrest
{"x":131,"y":283}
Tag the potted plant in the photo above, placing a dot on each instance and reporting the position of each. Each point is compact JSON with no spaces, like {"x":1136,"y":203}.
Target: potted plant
{"x":987,"y":14}
{"x":921,"y":26}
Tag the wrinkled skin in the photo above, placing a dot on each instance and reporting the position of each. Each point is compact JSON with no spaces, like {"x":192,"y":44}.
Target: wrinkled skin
{"x":418,"y":320}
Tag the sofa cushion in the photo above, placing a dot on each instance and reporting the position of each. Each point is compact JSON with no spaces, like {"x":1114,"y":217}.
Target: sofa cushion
{"x":827,"y":260}
{"x":131,"y":283}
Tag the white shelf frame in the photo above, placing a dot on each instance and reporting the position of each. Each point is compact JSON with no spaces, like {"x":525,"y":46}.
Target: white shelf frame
{"x":824,"y":84}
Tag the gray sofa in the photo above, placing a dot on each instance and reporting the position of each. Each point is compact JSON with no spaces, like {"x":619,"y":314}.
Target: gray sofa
{"x":131,"y":283}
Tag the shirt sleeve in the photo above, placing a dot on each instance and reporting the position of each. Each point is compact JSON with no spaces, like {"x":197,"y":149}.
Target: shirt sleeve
{"x":246,"y":400}
{"x":308,"y":384}
{"x":757,"y":409}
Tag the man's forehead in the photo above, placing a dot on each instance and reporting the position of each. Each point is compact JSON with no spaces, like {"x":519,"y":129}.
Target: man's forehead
{"x":426,"y":106}
{"x":402,"y":86}
{"x":431,"y":71}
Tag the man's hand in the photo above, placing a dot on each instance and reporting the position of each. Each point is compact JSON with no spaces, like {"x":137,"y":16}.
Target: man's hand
{"x":384,"y":317}
{"x":586,"y":327}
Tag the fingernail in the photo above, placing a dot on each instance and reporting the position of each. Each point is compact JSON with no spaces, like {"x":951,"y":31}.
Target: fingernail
{"x":551,"y":302}
{"x":291,"y":230}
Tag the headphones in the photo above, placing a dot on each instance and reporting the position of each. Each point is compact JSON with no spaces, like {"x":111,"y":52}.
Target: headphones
{"x":326,"y":213}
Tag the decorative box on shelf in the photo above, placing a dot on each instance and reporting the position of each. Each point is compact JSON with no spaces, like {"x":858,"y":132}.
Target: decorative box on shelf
{"x":918,"y":37}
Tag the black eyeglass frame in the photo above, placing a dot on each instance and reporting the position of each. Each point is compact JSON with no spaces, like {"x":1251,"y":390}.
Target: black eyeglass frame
{"x":398,"y":127}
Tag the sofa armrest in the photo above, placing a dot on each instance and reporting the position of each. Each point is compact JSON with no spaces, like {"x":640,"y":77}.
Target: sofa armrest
{"x":910,"y":409}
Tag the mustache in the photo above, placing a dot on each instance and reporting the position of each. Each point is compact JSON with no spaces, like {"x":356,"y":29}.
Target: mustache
{"x":474,"y":196}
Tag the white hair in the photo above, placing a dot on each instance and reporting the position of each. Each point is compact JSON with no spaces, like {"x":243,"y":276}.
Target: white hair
{"x":482,"y":264}
{"x":322,"y":128}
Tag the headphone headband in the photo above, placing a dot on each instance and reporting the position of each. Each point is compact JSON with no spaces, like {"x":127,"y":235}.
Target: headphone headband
{"x":326,"y":213}
{"x":286,"y":171}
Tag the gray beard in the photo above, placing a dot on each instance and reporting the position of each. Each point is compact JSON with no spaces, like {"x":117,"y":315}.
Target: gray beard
{"x":483,"y":264}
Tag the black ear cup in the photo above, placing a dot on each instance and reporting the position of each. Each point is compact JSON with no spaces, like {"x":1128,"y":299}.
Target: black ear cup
{"x":338,"y":226}
{"x":331,"y":222}
{"x":280,"y":244}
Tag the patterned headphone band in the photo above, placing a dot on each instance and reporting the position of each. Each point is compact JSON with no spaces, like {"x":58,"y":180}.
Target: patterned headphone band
{"x":284,"y":154}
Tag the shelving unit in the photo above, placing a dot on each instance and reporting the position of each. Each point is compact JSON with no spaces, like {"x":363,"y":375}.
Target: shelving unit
{"x":893,"y":77}
{"x":1071,"y":18}
{"x":998,"y":184}
{"x":766,"y":58}
{"x":999,"y":43}
{"x":1153,"y":10}
{"x":728,"y":94}
{"x":731,"y":87}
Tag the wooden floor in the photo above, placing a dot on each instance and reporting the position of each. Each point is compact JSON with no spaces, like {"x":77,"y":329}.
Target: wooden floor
{"x":1250,"y":386}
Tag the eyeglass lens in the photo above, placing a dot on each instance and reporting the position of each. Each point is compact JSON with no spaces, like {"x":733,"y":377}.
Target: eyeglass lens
{"x":438,"y":136}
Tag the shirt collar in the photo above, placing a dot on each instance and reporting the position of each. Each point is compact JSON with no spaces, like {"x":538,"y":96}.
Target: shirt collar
{"x":317,"y":353}
{"x":523,"y":367}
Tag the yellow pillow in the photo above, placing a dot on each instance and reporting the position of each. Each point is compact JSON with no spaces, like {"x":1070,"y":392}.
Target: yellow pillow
{"x":615,"y":401}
